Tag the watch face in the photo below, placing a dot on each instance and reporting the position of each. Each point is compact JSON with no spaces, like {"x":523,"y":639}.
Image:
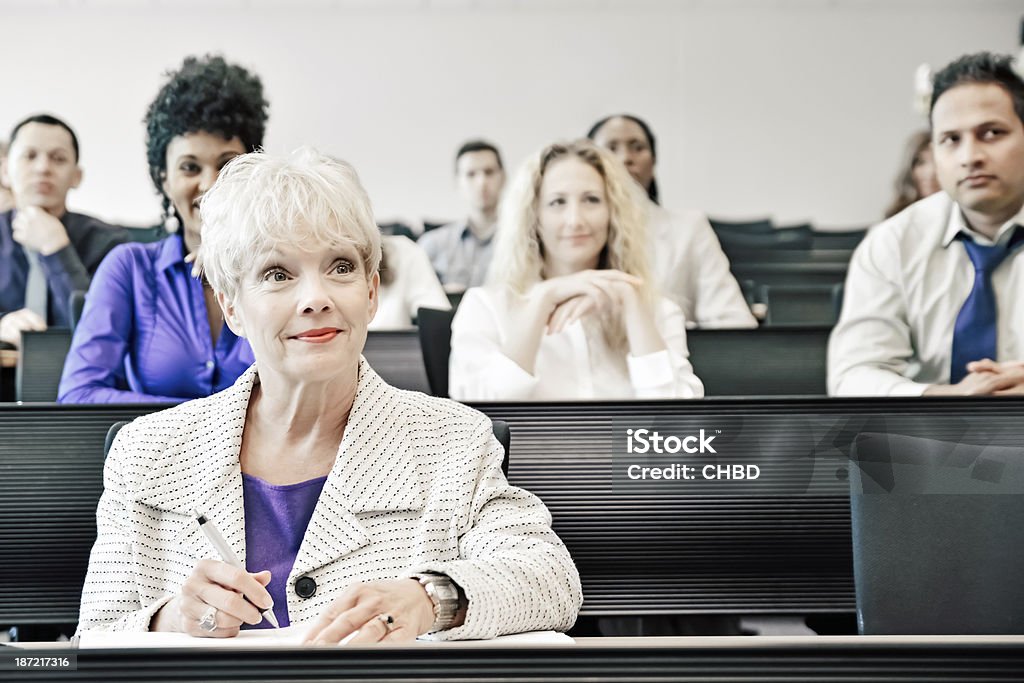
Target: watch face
{"x":445,"y":591}
{"x":445,"y":596}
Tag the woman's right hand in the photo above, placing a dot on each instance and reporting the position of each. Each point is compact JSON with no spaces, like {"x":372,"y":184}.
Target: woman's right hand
{"x":215,"y":584}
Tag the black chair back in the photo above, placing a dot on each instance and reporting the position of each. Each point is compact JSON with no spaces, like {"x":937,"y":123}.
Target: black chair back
{"x":734,"y":243}
{"x":936,"y":535}
{"x":436,"y":344}
{"x":786,"y":361}
{"x":787,"y":271}
{"x":396,"y":357}
{"x":792,"y":257}
{"x":8,"y":368}
{"x":846,"y":239}
{"x":760,"y":225}
{"x":802,"y":305}
{"x":76,"y":303}
{"x":51,"y":478}
{"x":40,"y":364}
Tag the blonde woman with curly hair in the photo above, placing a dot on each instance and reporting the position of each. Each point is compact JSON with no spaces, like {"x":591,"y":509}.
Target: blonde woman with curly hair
{"x":569,"y":311}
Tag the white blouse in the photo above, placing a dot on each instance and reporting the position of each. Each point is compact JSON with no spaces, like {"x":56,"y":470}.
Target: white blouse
{"x":415,"y":285}
{"x":571,"y":365}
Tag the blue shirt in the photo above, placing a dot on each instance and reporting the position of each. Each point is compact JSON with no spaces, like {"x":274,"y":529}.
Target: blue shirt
{"x":66,"y":270}
{"x":458,"y":257}
{"x":144,"y":335}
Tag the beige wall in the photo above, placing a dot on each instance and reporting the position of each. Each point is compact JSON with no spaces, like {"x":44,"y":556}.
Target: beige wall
{"x":795,"y":108}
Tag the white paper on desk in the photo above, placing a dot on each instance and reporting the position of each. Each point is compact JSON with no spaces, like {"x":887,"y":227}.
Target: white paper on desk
{"x":290,"y":636}
{"x":528,"y":638}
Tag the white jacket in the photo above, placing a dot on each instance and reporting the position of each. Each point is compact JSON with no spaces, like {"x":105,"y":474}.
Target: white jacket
{"x":691,"y":269}
{"x":417,"y":486}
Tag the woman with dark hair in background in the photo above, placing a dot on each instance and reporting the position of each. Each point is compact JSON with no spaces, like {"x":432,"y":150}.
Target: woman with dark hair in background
{"x":688,"y":262}
{"x":917,"y":178}
{"x":150,"y":330}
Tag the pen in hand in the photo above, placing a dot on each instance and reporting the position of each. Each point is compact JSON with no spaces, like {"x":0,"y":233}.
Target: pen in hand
{"x":228,"y":555}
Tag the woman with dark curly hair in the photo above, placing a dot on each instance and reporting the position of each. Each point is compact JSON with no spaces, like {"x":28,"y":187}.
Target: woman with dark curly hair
{"x":150,"y":330}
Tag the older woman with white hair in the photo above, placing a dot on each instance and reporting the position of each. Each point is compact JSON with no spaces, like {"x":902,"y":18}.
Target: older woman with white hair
{"x":569,"y":311}
{"x":355,"y":506}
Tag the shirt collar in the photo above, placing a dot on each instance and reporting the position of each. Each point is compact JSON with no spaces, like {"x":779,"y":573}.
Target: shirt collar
{"x":171,"y":253}
{"x":466,"y":233}
{"x":958,"y":225}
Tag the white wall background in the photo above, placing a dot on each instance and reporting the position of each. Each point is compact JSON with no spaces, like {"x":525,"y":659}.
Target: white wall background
{"x":792,"y":108}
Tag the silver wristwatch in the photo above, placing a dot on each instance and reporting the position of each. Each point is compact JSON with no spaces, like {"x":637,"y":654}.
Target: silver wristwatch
{"x":443,"y":593}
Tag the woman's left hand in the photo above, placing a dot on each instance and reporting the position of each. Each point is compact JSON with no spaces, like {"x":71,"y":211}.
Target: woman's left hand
{"x":364,"y":607}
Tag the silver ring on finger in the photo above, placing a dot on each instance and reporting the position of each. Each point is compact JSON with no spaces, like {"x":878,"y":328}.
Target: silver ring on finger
{"x":208,"y":622}
{"x":388,"y":621}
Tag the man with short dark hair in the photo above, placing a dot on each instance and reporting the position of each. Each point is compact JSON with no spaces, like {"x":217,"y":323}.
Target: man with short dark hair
{"x":46,"y":252}
{"x":934,"y":301}
{"x":461,"y":252}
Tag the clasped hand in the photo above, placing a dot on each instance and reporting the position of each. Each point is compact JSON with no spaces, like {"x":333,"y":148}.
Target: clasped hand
{"x":236,"y":594}
{"x":985,"y":377}
{"x":35,"y":229}
{"x":607,"y":293}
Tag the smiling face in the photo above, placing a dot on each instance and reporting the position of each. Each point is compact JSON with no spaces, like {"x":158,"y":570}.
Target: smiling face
{"x":193,"y":162}
{"x":574,"y":216}
{"x":305,"y":313}
{"x":41,"y":167}
{"x":979,"y":150}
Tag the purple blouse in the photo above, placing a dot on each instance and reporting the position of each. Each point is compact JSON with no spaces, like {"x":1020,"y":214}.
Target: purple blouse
{"x":276,"y":518}
{"x":144,"y":336}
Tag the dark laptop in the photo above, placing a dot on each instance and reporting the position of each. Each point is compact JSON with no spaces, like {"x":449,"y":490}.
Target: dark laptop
{"x":938,"y":536}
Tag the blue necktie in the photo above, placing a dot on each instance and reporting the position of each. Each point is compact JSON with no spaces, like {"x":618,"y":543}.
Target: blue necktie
{"x":974,"y":336}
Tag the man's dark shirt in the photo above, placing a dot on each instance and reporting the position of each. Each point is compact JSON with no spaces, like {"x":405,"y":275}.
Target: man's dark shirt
{"x":66,"y":270}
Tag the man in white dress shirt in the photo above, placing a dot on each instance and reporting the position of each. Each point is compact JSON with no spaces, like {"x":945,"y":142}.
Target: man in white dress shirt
{"x":934,"y":301}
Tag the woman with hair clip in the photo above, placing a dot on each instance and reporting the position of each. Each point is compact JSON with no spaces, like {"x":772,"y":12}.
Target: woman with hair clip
{"x":916,"y":179}
{"x":151,"y":331}
{"x":569,"y":311}
{"x":688,"y":262}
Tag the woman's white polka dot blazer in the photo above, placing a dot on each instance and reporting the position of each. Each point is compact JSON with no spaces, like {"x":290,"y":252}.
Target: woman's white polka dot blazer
{"x":417,"y":486}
